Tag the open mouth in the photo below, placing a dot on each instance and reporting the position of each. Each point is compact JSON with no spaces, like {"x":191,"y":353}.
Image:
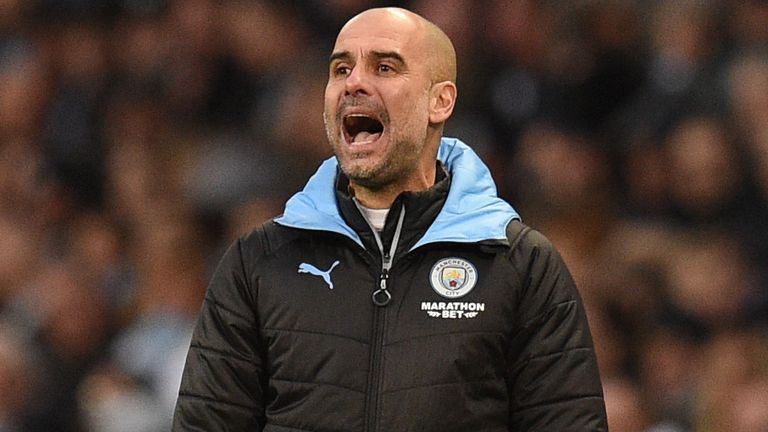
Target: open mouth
{"x":362,"y":128}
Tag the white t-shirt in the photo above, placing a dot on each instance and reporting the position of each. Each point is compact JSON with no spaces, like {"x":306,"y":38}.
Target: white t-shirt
{"x":376,"y":217}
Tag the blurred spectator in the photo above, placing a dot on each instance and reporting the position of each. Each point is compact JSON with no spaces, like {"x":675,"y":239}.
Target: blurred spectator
{"x":136,"y":388}
{"x":17,"y":379}
{"x":563,"y":181}
{"x":624,"y":406}
{"x":72,"y":147}
{"x":64,"y":319}
{"x":707,"y":181}
{"x":734,"y":389}
{"x":710,"y":284}
{"x":748,"y":23}
{"x":668,"y":378}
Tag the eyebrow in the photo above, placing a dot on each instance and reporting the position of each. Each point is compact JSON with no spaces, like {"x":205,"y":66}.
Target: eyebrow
{"x":391,"y":55}
{"x":378,"y":55}
{"x":340,"y":55}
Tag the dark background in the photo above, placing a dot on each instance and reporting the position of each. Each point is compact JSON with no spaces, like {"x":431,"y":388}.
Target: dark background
{"x":138,"y":138}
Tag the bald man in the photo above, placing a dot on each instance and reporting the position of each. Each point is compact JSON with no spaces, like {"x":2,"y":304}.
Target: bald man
{"x":397,"y":292}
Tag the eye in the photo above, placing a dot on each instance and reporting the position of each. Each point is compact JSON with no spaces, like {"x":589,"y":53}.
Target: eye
{"x":385,"y":68}
{"x":341,"y":70}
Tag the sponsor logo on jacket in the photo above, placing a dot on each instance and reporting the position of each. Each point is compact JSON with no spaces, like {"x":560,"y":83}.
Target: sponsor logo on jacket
{"x":452,"y":310}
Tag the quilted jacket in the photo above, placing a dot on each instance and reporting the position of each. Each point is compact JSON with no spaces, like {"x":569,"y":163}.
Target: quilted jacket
{"x":457,"y":317}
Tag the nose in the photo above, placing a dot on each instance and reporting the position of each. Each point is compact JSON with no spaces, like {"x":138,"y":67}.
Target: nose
{"x":357,"y":82}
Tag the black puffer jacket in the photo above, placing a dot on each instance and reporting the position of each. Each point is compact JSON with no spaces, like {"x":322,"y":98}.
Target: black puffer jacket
{"x":477,"y":324}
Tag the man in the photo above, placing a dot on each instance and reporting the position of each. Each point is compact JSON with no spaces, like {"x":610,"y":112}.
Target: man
{"x":397,"y":291}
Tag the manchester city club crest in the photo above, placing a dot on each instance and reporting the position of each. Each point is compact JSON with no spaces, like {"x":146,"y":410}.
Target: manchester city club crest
{"x":453,"y":277}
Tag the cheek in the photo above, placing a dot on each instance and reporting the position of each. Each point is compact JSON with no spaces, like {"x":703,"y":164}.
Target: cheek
{"x":331,"y":103}
{"x":328,"y":111}
{"x":410,"y":108}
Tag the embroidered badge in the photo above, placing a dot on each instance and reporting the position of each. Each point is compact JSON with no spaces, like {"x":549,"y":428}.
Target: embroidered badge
{"x":453,"y":277}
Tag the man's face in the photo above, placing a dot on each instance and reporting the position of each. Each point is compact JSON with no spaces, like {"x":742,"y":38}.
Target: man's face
{"x":376,"y":102}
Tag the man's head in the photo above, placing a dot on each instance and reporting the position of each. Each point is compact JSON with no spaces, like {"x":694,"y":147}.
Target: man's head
{"x":391,"y":87}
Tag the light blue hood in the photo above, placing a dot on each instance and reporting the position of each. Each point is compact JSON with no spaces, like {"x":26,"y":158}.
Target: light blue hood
{"x":472,"y":212}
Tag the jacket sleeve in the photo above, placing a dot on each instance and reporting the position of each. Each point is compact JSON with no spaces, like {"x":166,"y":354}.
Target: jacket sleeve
{"x":554,"y":383}
{"x":221,"y":387}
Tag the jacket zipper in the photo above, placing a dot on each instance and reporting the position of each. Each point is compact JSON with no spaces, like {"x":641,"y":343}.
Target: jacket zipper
{"x":381,"y":298}
{"x":375,"y":370}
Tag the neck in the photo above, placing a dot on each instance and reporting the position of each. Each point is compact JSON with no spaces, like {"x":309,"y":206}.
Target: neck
{"x":383,"y":197}
{"x":375,"y":199}
{"x":423,"y":178}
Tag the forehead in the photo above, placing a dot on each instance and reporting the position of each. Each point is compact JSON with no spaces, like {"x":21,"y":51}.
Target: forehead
{"x":369,"y":33}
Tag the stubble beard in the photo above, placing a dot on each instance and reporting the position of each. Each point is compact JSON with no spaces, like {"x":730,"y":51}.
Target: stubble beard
{"x":396,"y":164}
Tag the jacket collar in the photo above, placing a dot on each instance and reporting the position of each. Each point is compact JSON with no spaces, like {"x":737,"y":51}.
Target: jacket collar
{"x":421,"y":209}
{"x":472,"y":211}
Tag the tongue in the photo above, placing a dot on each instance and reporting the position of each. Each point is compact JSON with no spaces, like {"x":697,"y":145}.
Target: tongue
{"x":366,"y":136}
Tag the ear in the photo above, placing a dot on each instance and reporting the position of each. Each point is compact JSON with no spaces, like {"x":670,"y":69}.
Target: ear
{"x":441,"y":101}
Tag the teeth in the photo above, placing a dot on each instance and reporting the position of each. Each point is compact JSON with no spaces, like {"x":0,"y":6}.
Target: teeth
{"x":357,"y":116}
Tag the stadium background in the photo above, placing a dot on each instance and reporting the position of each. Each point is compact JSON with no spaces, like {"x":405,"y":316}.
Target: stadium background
{"x":139,"y":137}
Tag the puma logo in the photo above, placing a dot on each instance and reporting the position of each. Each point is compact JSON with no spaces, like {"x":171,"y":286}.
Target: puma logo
{"x":326,"y":275}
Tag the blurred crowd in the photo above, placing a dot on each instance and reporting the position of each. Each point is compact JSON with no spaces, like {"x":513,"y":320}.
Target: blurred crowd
{"x":138,"y":138}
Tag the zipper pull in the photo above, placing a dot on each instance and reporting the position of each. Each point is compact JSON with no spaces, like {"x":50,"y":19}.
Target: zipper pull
{"x":381,"y":296}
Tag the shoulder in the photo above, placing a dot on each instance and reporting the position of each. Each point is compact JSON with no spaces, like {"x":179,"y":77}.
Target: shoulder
{"x":526,"y":243}
{"x":264,"y":240}
{"x":248,"y":256}
{"x":271,"y":237}
{"x":538,"y":263}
